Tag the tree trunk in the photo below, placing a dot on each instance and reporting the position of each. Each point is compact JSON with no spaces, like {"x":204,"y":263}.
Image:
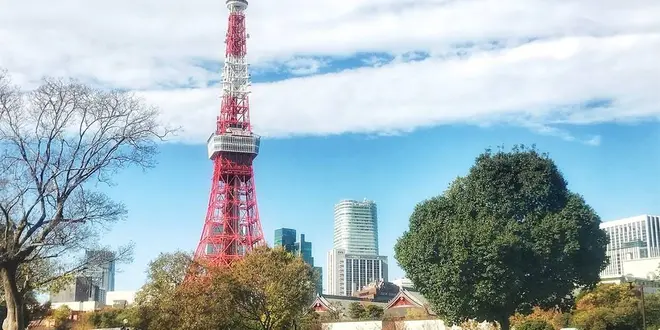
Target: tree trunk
{"x":14,"y":320}
{"x":505,"y":324}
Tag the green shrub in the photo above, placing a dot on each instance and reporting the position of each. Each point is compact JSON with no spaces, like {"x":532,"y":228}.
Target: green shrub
{"x":535,"y":325}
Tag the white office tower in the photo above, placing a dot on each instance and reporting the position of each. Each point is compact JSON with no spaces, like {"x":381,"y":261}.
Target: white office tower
{"x":353,"y":263}
{"x":356,"y":227}
{"x":348,"y":273}
{"x":634,"y":247}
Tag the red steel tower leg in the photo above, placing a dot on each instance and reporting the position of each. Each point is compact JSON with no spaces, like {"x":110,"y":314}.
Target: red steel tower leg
{"x":232,"y":227}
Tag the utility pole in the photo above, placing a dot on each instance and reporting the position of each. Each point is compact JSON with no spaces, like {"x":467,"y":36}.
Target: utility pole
{"x":641,"y":289}
{"x":631,"y":285}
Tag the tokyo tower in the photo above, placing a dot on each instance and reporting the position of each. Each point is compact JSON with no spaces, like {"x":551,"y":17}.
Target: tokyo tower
{"x":232,"y":227}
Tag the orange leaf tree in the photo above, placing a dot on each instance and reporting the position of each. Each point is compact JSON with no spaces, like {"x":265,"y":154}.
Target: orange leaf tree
{"x":608,"y":306}
{"x":268,"y":289}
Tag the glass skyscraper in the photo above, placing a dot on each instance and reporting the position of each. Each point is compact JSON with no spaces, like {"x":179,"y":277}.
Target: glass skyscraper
{"x":304,"y":250}
{"x":285,"y":237}
{"x":354,"y":261}
{"x":356,"y":227}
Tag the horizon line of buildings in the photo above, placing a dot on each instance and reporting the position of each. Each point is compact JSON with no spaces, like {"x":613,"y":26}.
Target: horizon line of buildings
{"x":354,"y":262}
{"x":95,"y":287}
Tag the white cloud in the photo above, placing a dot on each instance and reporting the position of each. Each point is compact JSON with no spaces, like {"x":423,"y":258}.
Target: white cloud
{"x":534,"y":85}
{"x":304,"y":66}
{"x":589,"y":49}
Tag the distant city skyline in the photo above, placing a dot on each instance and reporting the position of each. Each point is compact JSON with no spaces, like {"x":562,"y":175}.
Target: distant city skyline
{"x":286,"y":238}
{"x":603,"y":175}
{"x":370,"y":107}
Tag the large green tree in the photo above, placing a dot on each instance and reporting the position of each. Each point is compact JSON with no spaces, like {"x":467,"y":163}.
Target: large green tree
{"x":156,"y":302}
{"x":506,"y":237}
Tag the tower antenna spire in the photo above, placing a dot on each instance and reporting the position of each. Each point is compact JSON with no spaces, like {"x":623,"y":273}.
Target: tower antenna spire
{"x":232,"y":227}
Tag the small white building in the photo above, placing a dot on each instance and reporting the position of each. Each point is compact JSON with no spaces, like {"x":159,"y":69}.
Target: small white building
{"x":79,"y":306}
{"x":403,"y":282}
{"x":124,"y":298}
{"x":650,"y":286}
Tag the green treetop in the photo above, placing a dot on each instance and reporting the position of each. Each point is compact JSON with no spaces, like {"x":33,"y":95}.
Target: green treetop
{"x":504,"y":238}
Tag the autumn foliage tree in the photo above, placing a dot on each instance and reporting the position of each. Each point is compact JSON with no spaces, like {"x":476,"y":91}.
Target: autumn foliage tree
{"x":273,"y":289}
{"x":268,"y":289}
{"x":61,"y":317}
{"x":56,"y":142}
{"x":504,"y":238}
{"x":616,"y":307}
{"x":555,"y":317}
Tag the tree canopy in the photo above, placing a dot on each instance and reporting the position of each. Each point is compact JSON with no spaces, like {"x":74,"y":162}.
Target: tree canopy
{"x":506,"y":237}
{"x":268,"y":289}
{"x":358,"y":311}
{"x":616,"y":307}
{"x":156,"y":302}
{"x":556,"y":318}
{"x":274,"y":288}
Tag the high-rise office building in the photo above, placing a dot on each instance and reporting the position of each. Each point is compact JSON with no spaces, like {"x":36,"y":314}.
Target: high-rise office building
{"x":102,"y":269}
{"x":348,"y":273}
{"x":354,"y":262}
{"x":356,"y":227}
{"x":93,"y":284}
{"x":631,"y":239}
{"x":285,"y":237}
{"x":303,"y":249}
{"x":318,"y":271}
{"x":82,"y":289}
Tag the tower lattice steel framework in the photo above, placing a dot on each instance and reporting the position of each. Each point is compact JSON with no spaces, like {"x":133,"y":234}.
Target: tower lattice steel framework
{"x":232,"y":227}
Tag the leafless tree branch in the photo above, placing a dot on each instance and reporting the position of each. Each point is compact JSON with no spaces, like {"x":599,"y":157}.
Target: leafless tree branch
{"x":56,"y":143}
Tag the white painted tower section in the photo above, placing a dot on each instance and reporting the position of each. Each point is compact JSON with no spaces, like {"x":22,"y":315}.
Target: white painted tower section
{"x":235,"y":84}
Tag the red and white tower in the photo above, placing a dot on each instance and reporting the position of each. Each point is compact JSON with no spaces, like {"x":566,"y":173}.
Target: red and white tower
{"x":232,"y":227}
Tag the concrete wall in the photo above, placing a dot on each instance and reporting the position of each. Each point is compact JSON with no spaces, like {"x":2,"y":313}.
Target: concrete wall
{"x":112,"y":296}
{"x":642,"y":268}
{"x":422,"y":325}
{"x":80,"y":306}
{"x":364,"y":325}
{"x":378,"y":325}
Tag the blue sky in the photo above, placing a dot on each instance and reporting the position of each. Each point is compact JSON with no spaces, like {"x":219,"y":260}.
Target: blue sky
{"x":300,"y":179}
{"x":381,"y":99}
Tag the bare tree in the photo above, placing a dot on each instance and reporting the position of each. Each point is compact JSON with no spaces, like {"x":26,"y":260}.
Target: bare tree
{"x":56,"y":144}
